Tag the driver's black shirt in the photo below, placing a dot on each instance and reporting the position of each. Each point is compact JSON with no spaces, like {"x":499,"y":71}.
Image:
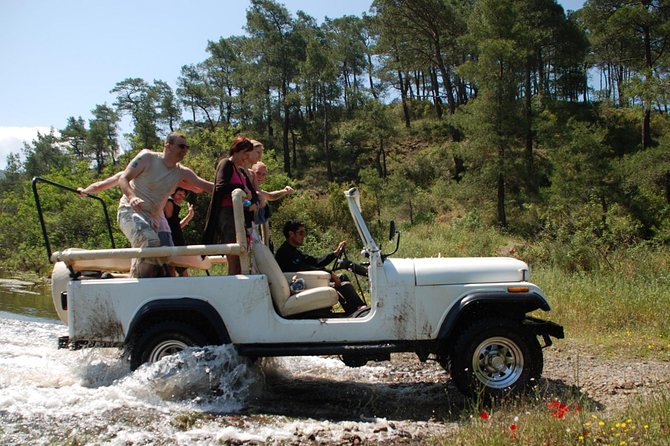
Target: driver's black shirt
{"x":291,"y":259}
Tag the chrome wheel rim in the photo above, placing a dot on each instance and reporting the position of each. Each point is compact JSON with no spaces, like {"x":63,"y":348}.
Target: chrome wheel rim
{"x":166,"y":348}
{"x":497,"y":362}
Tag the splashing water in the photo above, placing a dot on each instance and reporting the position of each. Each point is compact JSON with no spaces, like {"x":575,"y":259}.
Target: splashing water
{"x":40,"y":384}
{"x":202,"y":396}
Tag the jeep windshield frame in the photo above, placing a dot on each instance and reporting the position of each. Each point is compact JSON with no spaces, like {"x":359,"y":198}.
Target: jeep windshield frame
{"x":353,"y":197}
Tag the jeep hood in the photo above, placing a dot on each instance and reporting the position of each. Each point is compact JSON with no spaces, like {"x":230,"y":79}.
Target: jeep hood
{"x":459,"y":270}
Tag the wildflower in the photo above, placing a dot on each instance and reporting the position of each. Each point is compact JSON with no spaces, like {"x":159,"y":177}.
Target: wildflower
{"x":513,"y":428}
{"x":484,"y":415}
{"x":558,"y":409}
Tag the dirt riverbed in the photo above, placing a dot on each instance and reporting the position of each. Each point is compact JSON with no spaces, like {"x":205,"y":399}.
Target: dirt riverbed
{"x":405,"y":401}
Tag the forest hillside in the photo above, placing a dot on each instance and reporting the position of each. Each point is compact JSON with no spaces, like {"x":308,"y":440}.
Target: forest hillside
{"x":483,"y":127}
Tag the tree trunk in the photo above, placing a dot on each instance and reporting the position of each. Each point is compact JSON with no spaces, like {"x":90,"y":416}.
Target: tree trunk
{"x":268,"y":107}
{"x":530,"y":178}
{"x":285,"y":126}
{"x":448,"y":88}
{"x":646,"y":120}
{"x":502,"y":216}
{"x":437,"y":101}
{"x":294,"y":148}
{"x":326,"y":141}
{"x":403,"y":98}
{"x":381,"y":159}
{"x":446,"y":77}
{"x":370,"y":68}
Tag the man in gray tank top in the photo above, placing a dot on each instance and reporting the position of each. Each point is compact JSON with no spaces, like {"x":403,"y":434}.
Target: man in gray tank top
{"x":146,"y":183}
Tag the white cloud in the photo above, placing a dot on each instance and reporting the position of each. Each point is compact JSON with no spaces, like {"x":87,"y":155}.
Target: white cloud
{"x":12,"y":139}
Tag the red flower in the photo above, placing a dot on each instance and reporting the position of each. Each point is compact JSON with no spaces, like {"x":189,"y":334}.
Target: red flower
{"x":513,"y":428}
{"x":558,"y":409}
{"x":484,"y":415}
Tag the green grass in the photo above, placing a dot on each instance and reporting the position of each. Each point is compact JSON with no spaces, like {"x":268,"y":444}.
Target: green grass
{"x":622,"y":314}
{"x":563,"y":422}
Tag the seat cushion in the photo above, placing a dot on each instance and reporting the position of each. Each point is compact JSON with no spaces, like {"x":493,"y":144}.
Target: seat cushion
{"x":313,"y":279}
{"x":308,"y":300}
{"x":285,"y":303}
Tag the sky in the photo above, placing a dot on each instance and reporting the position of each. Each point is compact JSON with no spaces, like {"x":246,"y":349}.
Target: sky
{"x":62,"y":58}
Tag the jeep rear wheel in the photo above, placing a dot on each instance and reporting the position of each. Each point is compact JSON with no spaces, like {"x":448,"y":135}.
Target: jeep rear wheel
{"x":163,"y":339}
{"x":494,"y":358}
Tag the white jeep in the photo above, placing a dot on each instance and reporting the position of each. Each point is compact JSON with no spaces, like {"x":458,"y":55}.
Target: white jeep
{"x":470,"y":314}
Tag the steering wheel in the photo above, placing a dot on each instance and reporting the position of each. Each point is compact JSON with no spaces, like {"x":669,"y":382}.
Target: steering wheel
{"x":340,"y":255}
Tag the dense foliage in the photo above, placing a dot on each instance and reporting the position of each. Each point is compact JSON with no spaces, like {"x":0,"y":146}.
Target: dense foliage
{"x":456,"y":115}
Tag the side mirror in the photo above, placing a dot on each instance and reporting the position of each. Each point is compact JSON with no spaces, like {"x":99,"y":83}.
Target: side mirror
{"x":392,"y":231}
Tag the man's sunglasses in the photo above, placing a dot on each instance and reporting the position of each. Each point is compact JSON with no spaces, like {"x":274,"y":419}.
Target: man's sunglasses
{"x":183,"y":146}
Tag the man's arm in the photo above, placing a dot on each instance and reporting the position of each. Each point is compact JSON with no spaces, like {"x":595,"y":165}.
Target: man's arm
{"x":325,"y":260}
{"x":135,"y":167}
{"x":101,"y":185}
{"x":194,"y":183}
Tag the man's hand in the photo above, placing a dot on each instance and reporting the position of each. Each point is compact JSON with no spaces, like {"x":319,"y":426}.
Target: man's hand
{"x":335,"y":279}
{"x":137,"y":204}
{"x":340,"y":247}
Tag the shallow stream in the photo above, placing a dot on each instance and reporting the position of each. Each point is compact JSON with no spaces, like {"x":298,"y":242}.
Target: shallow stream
{"x":202,"y":396}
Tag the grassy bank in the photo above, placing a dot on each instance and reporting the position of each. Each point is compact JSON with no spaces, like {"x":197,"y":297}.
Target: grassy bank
{"x":619,"y":314}
{"x":540,"y":422}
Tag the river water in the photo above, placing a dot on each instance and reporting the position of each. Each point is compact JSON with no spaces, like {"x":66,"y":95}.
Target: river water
{"x":201,"y":396}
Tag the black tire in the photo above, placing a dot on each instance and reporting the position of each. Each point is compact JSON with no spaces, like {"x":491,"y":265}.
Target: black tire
{"x":493,"y":358}
{"x":163,"y":339}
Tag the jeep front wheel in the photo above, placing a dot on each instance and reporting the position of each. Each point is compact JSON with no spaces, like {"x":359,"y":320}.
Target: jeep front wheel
{"x":494,"y":358}
{"x":163,"y":339}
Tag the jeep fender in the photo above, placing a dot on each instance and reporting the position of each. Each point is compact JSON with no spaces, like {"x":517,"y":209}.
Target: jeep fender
{"x":476,"y":305}
{"x":198,"y":313}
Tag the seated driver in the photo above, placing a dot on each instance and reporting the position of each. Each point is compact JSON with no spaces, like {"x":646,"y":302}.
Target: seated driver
{"x":291,"y":259}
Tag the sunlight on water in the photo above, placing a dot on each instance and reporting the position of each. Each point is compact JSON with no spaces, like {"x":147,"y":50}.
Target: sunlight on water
{"x":27,"y":298}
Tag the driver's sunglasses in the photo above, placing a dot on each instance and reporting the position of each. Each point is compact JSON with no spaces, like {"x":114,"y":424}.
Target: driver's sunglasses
{"x":183,"y":146}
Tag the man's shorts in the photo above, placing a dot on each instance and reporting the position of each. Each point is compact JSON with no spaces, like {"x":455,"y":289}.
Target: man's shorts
{"x":141,"y":234}
{"x":165,"y":238}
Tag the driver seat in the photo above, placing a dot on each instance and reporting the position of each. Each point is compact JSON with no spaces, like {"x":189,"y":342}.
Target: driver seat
{"x":285,"y":303}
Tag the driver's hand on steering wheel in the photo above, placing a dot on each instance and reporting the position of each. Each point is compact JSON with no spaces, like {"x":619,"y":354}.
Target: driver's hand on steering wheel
{"x":340,"y":247}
